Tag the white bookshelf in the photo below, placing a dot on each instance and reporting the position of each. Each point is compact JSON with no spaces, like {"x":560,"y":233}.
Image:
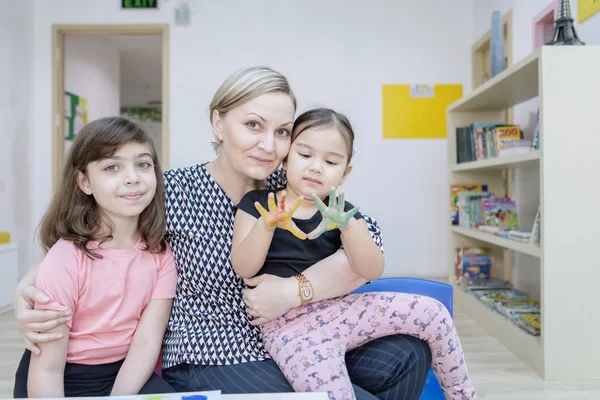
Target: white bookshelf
{"x":9,"y":274}
{"x":566,"y":81}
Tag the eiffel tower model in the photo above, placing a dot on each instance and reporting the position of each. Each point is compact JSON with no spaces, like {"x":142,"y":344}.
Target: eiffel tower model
{"x":564,"y":30}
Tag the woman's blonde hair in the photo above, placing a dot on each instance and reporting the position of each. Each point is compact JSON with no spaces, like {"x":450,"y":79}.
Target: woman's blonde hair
{"x":244,"y":85}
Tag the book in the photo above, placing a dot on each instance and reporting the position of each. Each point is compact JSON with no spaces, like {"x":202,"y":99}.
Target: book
{"x":472,"y":263}
{"x":500,"y":212}
{"x":455,"y":191}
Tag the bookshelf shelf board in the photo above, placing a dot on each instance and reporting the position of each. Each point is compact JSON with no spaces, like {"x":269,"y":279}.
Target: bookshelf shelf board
{"x":514,"y":85}
{"x":527,"y":346}
{"x":527,"y":248}
{"x":5,"y":247}
{"x":518,"y":160}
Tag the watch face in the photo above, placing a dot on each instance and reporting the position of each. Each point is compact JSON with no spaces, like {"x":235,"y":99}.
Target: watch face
{"x":307,"y":292}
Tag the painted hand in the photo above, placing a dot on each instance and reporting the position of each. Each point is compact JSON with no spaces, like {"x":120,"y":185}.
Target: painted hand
{"x":279,"y":217}
{"x":334,"y":216}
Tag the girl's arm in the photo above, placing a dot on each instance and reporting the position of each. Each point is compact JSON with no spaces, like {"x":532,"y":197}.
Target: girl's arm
{"x":330,"y":277}
{"x":250,"y":244}
{"x":36,"y":325}
{"x":363,"y":254}
{"x":58,"y":276}
{"x":145,"y":348}
{"x":47,"y":370}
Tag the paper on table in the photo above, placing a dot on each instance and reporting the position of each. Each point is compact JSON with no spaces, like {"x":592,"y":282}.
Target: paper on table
{"x":209,"y":395}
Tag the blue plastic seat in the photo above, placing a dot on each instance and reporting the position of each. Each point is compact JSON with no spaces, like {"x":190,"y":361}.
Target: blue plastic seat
{"x":437,"y":290}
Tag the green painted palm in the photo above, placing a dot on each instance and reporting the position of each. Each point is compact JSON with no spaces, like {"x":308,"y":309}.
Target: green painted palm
{"x":334,"y":216}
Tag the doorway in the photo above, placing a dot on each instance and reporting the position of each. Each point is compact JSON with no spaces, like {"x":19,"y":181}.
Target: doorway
{"x":108,"y":70}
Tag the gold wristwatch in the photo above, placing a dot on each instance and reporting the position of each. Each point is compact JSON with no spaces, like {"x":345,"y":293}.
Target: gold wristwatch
{"x":305,"y":289}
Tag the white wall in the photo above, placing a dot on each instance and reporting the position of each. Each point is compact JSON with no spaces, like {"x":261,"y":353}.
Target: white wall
{"x":526,"y":271}
{"x":92,"y":70}
{"x":154,"y":129}
{"x":333,"y":53}
{"x":17,"y":167}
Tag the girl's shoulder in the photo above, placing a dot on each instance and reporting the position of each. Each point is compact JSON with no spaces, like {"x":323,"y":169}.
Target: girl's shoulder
{"x":65,"y":248}
{"x":164,"y":258}
{"x":63,"y":254}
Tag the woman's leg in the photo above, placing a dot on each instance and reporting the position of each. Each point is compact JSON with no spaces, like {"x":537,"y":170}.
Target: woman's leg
{"x":391,"y":367}
{"x":372,"y":315}
{"x":156,"y":385}
{"x":251,"y":377}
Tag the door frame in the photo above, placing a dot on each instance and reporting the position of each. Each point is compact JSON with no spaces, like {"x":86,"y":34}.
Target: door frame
{"x":59,"y":32}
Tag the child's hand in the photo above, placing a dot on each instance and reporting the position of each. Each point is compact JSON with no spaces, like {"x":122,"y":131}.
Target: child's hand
{"x":279,"y":216}
{"x":333,"y":216}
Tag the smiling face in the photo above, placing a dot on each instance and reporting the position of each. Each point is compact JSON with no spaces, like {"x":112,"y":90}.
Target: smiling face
{"x":256,"y":135}
{"x":318,"y":160}
{"x":122,"y":185}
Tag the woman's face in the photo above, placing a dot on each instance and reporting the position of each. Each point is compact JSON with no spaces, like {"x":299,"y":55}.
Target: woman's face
{"x":256,"y":136}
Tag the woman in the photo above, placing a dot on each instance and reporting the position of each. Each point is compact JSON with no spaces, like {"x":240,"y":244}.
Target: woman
{"x":210,"y":343}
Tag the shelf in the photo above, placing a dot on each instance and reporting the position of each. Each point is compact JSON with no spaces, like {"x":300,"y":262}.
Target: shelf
{"x":518,"y":160}
{"x":526,"y":346}
{"x":527,"y":248}
{"x":5,"y":247}
{"x":514,"y":85}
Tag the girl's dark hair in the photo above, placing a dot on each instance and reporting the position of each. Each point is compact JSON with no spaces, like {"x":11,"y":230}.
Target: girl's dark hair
{"x":75,"y":216}
{"x":325,"y":118}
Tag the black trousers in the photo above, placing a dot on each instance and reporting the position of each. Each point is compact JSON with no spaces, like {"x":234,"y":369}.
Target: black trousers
{"x":389,"y":368}
{"x":87,"y":380}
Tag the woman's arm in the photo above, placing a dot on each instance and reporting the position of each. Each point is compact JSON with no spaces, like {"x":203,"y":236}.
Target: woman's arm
{"x":145,"y":348}
{"x":250,"y":244}
{"x":331,"y":277}
{"x":47,"y":370}
{"x":363,"y":254}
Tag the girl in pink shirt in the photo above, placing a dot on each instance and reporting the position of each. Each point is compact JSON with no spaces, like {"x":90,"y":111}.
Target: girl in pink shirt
{"x":108,"y":266}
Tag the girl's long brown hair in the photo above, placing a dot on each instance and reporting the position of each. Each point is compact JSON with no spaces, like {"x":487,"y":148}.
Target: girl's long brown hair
{"x":75,"y":216}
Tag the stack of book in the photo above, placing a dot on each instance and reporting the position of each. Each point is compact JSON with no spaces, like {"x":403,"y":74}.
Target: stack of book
{"x":485,"y":140}
{"x":501,"y":297}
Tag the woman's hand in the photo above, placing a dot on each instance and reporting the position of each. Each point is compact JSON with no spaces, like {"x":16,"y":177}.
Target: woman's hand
{"x":333,"y":216}
{"x":271,"y":297}
{"x":33,"y":323}
{"x":279,"y":216}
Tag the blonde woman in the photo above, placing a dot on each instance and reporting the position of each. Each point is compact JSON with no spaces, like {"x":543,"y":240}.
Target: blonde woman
{"x":211,"y":343}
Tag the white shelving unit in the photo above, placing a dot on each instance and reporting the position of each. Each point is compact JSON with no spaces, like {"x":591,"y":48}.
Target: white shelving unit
{"x":566,"y":81}
{"x":9,"y":274}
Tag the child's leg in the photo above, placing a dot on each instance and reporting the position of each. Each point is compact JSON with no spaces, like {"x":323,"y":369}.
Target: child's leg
{"x":373,"y":315}
{"x":310,"y":355}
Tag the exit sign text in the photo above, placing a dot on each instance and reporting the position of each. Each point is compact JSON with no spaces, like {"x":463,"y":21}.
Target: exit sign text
{"x":139,"y":4}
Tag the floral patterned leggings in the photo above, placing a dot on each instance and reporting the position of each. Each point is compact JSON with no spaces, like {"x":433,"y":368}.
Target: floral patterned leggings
{"x":309,"y":343}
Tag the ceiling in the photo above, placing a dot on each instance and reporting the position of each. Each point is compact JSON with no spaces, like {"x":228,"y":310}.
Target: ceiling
{"x":141,"y":68}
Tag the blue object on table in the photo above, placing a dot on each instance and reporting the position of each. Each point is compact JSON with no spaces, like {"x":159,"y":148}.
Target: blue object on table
{"x":437,"y":290}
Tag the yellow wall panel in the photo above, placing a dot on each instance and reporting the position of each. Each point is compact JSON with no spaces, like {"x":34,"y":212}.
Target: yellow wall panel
{"x":417,"y":114}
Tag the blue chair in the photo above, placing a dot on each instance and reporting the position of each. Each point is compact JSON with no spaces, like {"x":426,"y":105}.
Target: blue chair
{"x":437,"y":290}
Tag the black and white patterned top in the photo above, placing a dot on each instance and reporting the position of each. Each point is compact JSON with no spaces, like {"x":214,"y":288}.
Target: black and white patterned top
{"x":208,"y":324}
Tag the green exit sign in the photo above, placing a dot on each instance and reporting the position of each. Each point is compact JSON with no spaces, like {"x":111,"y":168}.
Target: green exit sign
{"x":139,"y":4}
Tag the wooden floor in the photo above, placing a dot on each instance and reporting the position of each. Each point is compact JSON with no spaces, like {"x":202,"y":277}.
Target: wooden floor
{"x":496,"y":372}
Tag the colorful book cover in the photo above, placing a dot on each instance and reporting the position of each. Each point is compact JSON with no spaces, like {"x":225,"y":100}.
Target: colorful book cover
{"x":529,"y":322}
{"x":472,"y":263}
{"x":500,"y":212}
{"x":506,"y":134}
{"x":454,"y":197}
{"x":470,"y":208}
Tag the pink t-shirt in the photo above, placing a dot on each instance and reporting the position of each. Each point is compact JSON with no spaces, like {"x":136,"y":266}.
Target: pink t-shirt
{"x":106,"y":296}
